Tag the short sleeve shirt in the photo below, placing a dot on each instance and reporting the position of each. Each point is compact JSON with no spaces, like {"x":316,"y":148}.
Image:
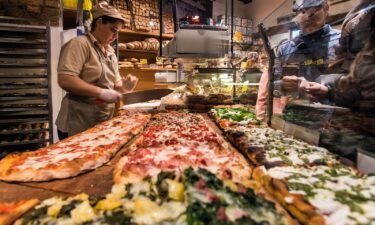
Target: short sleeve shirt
{"x":83,"y":57}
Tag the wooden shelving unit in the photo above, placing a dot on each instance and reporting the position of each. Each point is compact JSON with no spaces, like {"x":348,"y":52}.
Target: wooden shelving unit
{"x":146,"y":76}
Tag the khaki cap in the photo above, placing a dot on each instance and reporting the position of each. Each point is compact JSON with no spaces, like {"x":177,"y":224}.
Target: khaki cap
{"x":103,"y":9}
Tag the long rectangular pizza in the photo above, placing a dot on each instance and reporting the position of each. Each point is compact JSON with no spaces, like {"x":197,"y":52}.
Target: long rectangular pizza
{"x":176,"y":140}
{"x":192,"y":197}
{"x":76,"y":154}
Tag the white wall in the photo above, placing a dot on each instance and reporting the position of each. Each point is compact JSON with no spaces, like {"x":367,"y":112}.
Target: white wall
{"x":239,"y":8}
{"x":57,"y":92}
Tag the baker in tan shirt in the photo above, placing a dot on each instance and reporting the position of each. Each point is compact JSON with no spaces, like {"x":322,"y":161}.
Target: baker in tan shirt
{"x":88,"y":71}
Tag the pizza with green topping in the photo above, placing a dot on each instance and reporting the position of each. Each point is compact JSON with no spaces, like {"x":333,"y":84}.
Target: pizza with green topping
{"x":231,"y":117}
{"x":197,"y":197}
{"x":322,"y":195}
{"x":269,"y":147}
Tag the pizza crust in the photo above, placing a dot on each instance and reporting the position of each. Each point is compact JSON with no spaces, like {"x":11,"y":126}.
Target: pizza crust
{"x":9,"y":212}
{"x":298,"y":207}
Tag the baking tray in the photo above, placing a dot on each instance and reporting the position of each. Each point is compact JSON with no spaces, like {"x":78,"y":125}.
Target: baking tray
{"x":24,"y":111}
{"x":25,"y":90}
{"x":23,"y":72}
{"x":39,"y":141}
{"x":21,"y":40}
{"x":12,"y":51}
{"x":24,"y":120}
{"x":24,"y":131}
{"x":22,"y":81}
{"x":9,"y":27}
{"x":22,"y":98}
{"x":18,"y":61}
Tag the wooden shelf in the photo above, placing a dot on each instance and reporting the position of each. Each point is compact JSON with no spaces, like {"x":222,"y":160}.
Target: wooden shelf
{"x":138,"y":51}
{"x":145,"y":34}
{"x":148,"y":69}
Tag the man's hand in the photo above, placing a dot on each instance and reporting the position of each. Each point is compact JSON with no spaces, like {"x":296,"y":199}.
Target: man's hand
{"x":290,"y":83}
{"x":129,"y":83}
{"x":109,"y":95}
{"x":316,"y":91}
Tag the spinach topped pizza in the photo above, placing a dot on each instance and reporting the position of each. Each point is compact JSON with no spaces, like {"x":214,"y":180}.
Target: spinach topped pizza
{"x":322,"y":195}
{"x":197,"y":197}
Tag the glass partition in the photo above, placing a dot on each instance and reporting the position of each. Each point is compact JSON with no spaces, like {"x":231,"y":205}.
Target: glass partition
{"x":324,"y":73}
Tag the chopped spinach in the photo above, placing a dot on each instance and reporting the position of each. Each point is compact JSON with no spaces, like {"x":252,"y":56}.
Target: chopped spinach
{"x":33,"y":215}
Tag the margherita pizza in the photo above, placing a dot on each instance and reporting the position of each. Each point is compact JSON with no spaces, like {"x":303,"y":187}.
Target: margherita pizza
{"x":74,"y":155}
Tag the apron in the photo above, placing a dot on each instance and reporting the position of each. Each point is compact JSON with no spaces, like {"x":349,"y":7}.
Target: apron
{"x":78,"y":113}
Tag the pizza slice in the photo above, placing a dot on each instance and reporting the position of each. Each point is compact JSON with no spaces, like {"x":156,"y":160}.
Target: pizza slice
{"x":148,"y":162}
{"x":9,"y":212}
{"x":194,"y":196}
{"x":214,"y":201}
{"x":271,"y":148}
{"x":232,"y":117}
{"x":322,"y":195}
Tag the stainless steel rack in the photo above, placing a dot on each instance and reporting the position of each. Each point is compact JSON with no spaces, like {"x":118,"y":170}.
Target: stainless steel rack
{"x":25,"y":90}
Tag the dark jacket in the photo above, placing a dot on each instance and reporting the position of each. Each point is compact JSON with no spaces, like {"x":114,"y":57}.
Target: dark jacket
{"x":357,"y":52}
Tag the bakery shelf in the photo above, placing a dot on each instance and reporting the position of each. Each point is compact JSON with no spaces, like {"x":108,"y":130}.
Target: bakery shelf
{"x":145,"y":34}
{"x":138,"y":51}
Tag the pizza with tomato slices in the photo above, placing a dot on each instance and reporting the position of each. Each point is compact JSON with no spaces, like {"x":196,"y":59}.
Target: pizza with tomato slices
{"x":176,"y":140}
{"x":9,"y":212}
{"x":76,"y":154}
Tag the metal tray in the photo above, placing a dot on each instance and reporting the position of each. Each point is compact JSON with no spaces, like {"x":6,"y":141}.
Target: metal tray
{"x":24,"y":120}
{"x":9,"y":27}
{"x":23,"y":81}
{"x":40,"y":141}
{"x":20,"y":40}
{"x":39,"y":99}
{"x":23,"y":72}
{"x":32,"y":131}
{"x":24,"y":90}
{"x":10,"y":51}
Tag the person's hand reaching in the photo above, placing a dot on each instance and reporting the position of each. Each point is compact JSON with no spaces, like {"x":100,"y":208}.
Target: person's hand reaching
{"x":109,"y":95}
{"x":129,"y":83}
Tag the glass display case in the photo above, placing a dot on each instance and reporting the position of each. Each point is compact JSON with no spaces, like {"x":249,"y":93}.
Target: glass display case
{"x":211,"y":86}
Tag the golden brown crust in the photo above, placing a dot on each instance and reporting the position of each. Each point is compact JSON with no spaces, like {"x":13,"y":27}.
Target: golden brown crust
{"x":9,"y":212}
{"x":298,"y":207}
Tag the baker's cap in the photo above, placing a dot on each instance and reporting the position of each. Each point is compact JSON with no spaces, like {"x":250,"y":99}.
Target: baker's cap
{"x":103,"y":9}
{"x":301,"y":4}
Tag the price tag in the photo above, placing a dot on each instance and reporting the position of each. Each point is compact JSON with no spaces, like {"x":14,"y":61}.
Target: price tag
{"x":143,"y":61}
{"x":244,"y":88}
